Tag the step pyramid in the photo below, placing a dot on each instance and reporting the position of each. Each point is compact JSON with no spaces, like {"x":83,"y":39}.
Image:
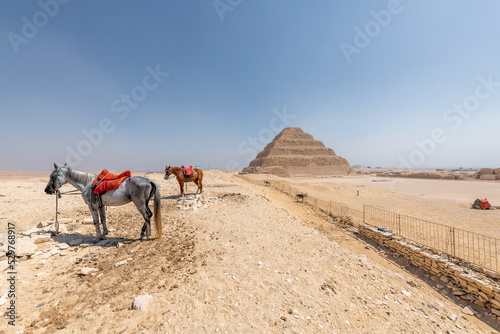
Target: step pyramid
{"x":294,"y":153}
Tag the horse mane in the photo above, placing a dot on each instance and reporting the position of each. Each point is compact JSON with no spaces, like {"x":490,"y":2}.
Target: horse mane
{"x":81,"y":177}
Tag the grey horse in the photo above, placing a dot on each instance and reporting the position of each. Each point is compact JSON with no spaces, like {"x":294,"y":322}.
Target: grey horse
{"x":135,"y":189}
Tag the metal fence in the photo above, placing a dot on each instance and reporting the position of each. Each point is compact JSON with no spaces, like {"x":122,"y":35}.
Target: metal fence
{"x":478,"y":249}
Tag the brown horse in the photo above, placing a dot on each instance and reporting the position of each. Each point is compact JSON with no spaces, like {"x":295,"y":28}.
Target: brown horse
{"x":196,"y":177}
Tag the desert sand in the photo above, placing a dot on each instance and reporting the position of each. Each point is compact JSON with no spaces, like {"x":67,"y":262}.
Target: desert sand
{"x":254,"y":261}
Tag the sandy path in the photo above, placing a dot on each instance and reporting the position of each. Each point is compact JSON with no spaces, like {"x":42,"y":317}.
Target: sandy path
{"x":247,"y":264}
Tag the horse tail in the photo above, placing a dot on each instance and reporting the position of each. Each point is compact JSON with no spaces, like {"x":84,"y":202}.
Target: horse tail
{"x":157,"y":211}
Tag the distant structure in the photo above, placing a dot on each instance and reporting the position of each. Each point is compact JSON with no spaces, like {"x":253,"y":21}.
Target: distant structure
{"x":487,"y":174}
{"x":293,"y":153}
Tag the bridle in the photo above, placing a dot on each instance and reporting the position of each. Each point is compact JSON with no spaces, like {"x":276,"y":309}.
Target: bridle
{"x":169,"y":171}
{"x":54,"y":178}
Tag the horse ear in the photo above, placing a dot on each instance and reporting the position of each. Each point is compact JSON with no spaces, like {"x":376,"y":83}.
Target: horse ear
{"x":65,"y":164}
{"x":55,"y":166}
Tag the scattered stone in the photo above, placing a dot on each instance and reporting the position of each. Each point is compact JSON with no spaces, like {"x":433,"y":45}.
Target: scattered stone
{"x":44,"y":224}
{"x":3,"y":300}
{"x":84,"y":245}
{"x":48,"y":229}
{"x":452,"y":317}
{"x":63,"y":229}
{"x":406,"y":293}
{"x":39,"y":238}
{"x":468,"y":310}
{"x":85,"y":271}
{"x":141,"y":303}
{"x":31,"y":231}
{"x":121,"y":263}
{"x":75,"y":242}
{"x":71,"y":227}
{"x":88,"y":221}
{"x":62,"y":246}
{"x":119,"y":245}
{"x":103,"y":243}
{"x":410,"y":282}
{"x":495,"y":312}
{"x":46,"y":256}
{"x":54,"y":251}
{"x":25,"y":247}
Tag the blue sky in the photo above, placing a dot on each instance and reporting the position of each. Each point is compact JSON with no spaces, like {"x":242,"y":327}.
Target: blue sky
{"x":137,"y":85}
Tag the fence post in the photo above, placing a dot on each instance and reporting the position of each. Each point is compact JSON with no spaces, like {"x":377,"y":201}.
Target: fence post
{"x":399,"y":224}
{"x":453,"y":241}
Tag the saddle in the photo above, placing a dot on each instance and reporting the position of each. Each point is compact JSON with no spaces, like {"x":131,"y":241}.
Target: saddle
{"x":188,"y":172}
{"x":104,"y":182}
{"x":107,"y":181}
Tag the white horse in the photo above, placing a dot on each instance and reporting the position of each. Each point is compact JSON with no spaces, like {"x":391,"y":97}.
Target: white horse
{"x":135,"y":189}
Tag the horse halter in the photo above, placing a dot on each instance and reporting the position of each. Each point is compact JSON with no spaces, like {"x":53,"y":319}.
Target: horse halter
{"x":54,"y":178}
{"x":169,"y":171}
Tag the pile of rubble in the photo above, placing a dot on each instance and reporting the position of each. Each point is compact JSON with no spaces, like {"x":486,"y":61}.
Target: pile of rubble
{"x":42,"y":241}
{"x":195,"y":202}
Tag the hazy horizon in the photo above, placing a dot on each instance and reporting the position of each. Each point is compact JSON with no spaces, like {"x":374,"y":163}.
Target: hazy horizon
{"x":141,"y":85}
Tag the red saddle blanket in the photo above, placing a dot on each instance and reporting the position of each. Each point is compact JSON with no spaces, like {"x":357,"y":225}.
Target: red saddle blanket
{"x":109,"y":181}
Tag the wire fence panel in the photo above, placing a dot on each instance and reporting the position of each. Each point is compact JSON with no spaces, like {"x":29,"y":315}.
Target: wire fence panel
{"x":472,"y":247}
{"x":381,"y":218}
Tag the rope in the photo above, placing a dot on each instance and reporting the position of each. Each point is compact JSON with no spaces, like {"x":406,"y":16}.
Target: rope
{"x":58,"y":195}
{"x":170,"y":184}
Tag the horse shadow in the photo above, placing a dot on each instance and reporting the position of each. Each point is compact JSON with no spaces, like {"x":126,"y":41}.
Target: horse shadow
{"x":171,"y":197}
{"x":77,"y":239}
{"x":179,"y":196}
